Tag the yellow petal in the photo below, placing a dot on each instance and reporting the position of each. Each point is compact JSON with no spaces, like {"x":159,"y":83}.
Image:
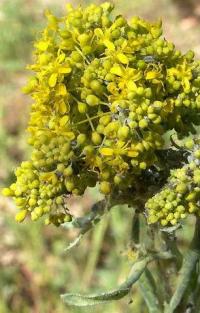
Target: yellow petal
{"x":98,"y":162}
{"x":53,"y":79}
{"x":120,"y":144}
{"x":49,"y":177}
{"x":106,"y":151}
{"x":131,"y":85}
{"x":69,"y":135}
{"x":64,"y":120}
{"x":173,"y":71}
{"x":98,"y":32}
{"x":117,"y":70}
{"x":64,"y":70}
{"x":67,"y":44}
{"x":122,"y":58}
{"x":123,"y":46}
{"x":61,"y":58}
{"x":54,"y":179}
{"x":132,"y":153}
{"x":45,"y":176}
{"x":186,"y":84}
{"x":42,"y":45}
{"x":43,"y":59}
{"x":109,"y":44}
{"x":53,"y":21}
{"x":63,"y":107}
{"x":61,"y":90}
{"x":151,"y":75}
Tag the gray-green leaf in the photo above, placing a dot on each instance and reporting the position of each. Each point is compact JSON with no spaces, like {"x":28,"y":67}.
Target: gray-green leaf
{"x":116,"y":294}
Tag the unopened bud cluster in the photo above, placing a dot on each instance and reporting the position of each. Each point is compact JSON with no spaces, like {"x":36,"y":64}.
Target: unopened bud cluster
{"x":181,"y":195}
{"x":105,"y":92}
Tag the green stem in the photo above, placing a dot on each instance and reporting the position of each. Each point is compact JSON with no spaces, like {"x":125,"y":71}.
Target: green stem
{"x":190,"y":295}
{"x":171,"y":245}
{"x":147,"y":288}
{"x":197,"y":298}
{"x":189,"y":264}
{"x":96,"y":245}
{"x":163,"y":281}
{"x":92,"y":118}
{"x":135,"y":229}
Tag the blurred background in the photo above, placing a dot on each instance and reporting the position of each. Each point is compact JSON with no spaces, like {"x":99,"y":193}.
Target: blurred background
{"x":34,"y":269}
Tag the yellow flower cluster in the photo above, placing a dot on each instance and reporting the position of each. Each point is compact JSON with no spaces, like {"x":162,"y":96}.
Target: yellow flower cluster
{"x":181,"y":195}
{"x":105,"y":91}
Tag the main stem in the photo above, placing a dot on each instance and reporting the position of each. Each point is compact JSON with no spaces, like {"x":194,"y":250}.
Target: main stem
{"x":187,"y":270}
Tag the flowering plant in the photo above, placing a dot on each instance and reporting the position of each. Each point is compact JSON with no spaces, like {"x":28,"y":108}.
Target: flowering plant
{"x":107,"y":94}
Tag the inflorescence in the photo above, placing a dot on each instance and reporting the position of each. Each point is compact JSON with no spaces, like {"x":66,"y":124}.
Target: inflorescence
{"x":105,"y":91}
{"x":181,"y":195}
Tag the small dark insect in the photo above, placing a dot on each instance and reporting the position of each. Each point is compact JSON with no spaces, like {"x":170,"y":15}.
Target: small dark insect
{"x":152,"y":176}
{"x":59,"y":174}
{"x":149,"y":58}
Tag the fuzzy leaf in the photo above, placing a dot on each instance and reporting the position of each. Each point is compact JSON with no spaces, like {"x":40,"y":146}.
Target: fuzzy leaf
{"x":84,"y":300}
{"x":74,"y":243}
{"x":116,"y":294}
{"x":86,"y":222}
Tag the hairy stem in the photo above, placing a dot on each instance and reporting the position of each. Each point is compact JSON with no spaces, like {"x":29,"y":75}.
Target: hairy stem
{"x":189,"y":264}
{"x":135,"y":229}
{"x":170,"y":240}
{"x":196,"y":297}
{"x":147,"y":288}
{"x":96,"y":245}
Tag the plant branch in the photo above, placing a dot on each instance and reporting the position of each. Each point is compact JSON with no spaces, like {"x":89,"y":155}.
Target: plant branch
{"x":96,"y":245}
{"x":147,"y":288}
{"x":188,"y":267}
{"x":171,"y":245}
{"x":135,"y":229}
{"x":116,"y":294}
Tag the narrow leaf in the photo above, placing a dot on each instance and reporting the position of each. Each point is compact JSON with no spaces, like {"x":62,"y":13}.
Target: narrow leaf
{"x":147,"y":288}
{"x":189,"y":264}
{"x":74,"y":243}
{"x":81,"y":300}
{"x":86,"y":222}
{"x":116,"y":294}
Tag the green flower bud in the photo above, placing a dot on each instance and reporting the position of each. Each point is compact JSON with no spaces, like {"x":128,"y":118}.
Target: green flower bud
{"x":92,"y":100}
{"x":105,"y":187}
